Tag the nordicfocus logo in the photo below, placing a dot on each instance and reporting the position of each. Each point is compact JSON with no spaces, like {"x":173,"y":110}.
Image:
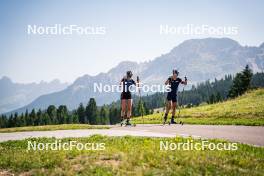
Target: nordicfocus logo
{"x":59,"y":145}
{"x":201,"y":145}
{"x":99,"y":87}
{"x":59,"y":29}
{"x":191,"y":29}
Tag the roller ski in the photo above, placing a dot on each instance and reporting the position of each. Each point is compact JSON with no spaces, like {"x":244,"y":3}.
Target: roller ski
{"x":126,"y":122}
{"x":172,"y":122}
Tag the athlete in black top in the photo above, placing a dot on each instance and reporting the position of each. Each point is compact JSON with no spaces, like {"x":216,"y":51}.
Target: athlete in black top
{"x":126,"y":99}
{"x":174,"y":82}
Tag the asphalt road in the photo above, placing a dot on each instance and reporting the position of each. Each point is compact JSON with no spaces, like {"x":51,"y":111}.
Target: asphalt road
{"x":253,"y":135}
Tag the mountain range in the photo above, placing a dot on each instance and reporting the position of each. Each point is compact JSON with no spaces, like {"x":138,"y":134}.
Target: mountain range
{"x":15,"y":95}
{"x":198,"y":59}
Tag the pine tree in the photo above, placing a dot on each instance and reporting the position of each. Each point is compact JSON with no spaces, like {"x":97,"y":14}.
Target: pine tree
{"x":247,"y":75}
{"x":23,"y":120}
{"x":257,"y":80}
{"x":52,"y":112}
{"x":11,"y":121}
{"x":39,"y":120}
{"x":46,"y":119}
{"x":75,"y":118}
{"x":81,"y":114}
{"x":32,"y":117}
{"x":218,"y":97}
{"x":140,"y":108}
{"x":62,"y":114}
{"x":146,"y":109}
{"x":70,"y":119}
{"x":114,"y":115}
{"x":27,"y":118}
{"x":4,"y":122}
{"x":103,"y":118}
{"x":241,"y":83}
{"x":91,"y":111}
{"x":17,"y":122}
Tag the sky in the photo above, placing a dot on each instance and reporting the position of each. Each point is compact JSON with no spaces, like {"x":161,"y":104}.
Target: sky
{"x":132,"y":32}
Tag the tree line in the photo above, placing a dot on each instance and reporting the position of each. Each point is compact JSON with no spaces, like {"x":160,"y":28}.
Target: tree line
{"x":89,"y":114}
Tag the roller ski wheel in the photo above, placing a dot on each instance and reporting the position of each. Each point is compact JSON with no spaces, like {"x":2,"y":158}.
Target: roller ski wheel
{"x":126,"y":123}
{"x":123,"y":122}
{"x":130,"y":125}
{"x":180,"y":123}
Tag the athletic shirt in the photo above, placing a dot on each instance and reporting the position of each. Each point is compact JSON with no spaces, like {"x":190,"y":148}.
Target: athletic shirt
{"x":127,"y":83}
{"x":174,"y":84}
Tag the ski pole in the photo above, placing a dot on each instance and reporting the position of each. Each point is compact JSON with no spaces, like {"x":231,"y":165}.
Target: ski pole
{"x":164,"y":110}
{"x":185,"y":78}
{"x":140,"y":100}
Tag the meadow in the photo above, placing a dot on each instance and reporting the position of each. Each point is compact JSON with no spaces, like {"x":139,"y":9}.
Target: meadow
{"x":129,"y":156}
{"x":247,"y":109}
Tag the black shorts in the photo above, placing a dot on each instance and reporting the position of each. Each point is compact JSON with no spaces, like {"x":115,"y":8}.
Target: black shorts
{"x":125,"y":95}
{"x":172,"y":97}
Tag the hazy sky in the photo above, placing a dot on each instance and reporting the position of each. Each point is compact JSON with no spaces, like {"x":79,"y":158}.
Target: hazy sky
{"x":132,"y":33}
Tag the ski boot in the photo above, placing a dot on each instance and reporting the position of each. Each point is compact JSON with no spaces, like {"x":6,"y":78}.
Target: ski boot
{"x":172,"y":121}
{"x":123,"y":121}
{"x":128,"y":122}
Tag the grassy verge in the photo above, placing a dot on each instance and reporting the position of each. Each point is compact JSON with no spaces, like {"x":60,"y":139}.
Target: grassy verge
{"x":244,"y":110}
{"x":53,"y":127}
{"x":158,"y":119}
{"x":129,"y":156}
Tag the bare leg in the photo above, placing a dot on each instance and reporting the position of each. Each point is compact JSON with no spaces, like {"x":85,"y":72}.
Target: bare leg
{"x":123,"y":109}
{"x":129,"y":108}
{"x":168,"y":107}
{"x":174,"y":105}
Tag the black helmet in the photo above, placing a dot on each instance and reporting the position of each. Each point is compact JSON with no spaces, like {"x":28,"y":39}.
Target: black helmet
{"x":129,"y":74}
{"x":174,"y":71}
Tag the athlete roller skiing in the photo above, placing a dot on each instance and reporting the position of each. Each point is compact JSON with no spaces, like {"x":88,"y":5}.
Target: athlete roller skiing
{"x":126,"y":99}
{"x":171,"y":103}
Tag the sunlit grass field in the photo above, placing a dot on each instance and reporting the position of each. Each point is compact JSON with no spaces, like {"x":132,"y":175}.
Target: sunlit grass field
{"x":247,"y":109}
{"x":53,"y":127}
{"x":129,"y":156}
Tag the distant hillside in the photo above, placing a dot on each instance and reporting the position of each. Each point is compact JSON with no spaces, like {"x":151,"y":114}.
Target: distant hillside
{"x":15,"y":95}
{"x":199,"y":59}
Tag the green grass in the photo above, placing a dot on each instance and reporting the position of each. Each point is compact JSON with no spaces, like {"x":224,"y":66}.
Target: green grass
{"x":129,"y":156}
{"x":247,"y":109}
{"x":53,"y":127}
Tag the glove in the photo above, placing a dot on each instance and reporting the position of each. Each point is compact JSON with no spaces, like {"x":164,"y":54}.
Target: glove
{"x":138,"y":79}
